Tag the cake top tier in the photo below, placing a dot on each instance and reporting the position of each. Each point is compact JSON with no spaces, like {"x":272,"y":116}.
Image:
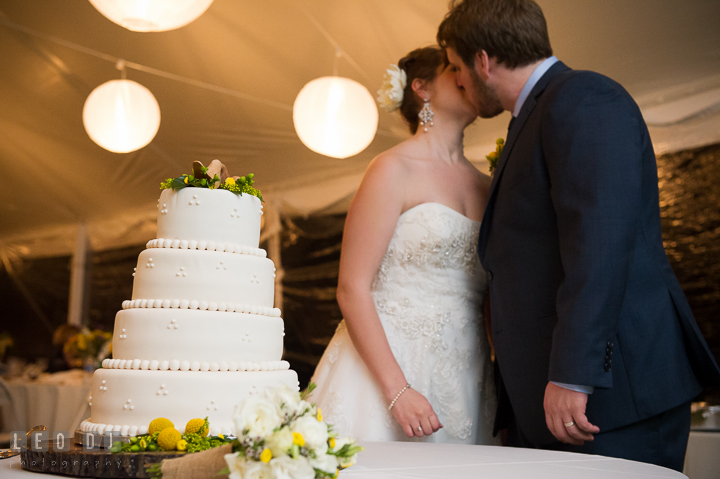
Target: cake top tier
{"x":204,"y":215}
{"x":209,"y":207}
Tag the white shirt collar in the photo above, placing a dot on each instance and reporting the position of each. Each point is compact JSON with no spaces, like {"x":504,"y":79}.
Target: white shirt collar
{"x":534,"y":78}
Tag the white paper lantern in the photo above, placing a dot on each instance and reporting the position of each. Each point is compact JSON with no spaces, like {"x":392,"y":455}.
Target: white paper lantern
{"x":151,"y":15}
{"x":335,"y":116}
{"x":121,"y":116}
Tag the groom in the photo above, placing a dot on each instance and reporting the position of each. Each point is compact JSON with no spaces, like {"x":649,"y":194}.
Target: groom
{"x":597,"y":349}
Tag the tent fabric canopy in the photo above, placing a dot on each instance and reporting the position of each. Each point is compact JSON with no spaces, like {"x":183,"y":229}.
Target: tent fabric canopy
{"x":226,"y":84}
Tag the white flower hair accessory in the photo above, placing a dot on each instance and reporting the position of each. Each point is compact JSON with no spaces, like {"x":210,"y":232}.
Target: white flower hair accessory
{"x":390,"y":95}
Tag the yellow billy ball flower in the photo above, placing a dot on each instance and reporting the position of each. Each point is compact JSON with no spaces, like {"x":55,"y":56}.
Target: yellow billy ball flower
{"x":182,"y":445}
{"x":298,"y":439}
{"x":197,"y":426}
{"x":230,"y":180}
{"x":493,"y":155}
{"x":499,"y":141}
{"x":265,"y":456}
{"x":169,"y":438}
{"x":221,"y":436}
{"x":157,"y":425}
{"x":319,"y":414}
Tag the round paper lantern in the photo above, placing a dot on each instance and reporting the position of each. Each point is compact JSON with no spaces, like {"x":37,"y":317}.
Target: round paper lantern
{"x":121,"y":116}
{"x":151,"y":15}
{"x":335,"y":116}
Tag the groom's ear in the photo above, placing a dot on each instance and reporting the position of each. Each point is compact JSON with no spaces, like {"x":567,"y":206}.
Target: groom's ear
{"x":482,"y":64}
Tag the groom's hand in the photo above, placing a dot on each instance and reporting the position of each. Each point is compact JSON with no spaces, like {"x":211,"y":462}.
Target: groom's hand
{"x":563,"y":406}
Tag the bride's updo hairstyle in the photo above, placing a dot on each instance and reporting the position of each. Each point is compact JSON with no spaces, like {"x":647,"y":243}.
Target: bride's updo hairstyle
{"x":422,"y":63}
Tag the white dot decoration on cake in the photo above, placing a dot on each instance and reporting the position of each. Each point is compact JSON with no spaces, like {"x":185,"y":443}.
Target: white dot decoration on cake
{"x":212,"y":406}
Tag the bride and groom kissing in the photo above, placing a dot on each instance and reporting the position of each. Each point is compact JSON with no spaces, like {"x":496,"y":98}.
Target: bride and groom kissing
{"x":560,"y":252}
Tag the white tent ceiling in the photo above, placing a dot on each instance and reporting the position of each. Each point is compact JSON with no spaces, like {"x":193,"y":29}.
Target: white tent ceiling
{"x":226,"y":84}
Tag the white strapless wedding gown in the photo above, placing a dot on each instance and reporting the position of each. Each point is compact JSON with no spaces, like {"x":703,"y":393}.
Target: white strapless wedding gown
{"x":429,"y":293}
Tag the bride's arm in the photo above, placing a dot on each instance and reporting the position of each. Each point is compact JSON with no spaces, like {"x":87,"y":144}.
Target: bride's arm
{"x":369,"y":227}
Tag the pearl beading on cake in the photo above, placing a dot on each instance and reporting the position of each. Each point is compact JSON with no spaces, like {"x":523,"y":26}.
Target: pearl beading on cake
{"x":206,"y":246}
{"x":177,"y":365}
{"x":201,"y":305}
{"x":131,"y":430}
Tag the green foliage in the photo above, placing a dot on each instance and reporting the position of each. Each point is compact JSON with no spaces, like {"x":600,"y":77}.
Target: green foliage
{"x":243,"y":184}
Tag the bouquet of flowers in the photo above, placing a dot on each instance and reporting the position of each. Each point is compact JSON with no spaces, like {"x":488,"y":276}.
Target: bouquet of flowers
{"x":89,"y":347}
{"x":281,"y":435}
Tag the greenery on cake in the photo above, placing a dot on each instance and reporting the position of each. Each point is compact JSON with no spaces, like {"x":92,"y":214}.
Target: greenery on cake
{"x":214,"y":176}
{"x":162,"y":436}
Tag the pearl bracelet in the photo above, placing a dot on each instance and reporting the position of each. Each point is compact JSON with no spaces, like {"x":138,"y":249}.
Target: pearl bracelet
{"x":407,"y":386}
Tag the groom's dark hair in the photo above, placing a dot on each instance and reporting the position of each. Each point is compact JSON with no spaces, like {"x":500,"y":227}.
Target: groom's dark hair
{"x":513,"y":32}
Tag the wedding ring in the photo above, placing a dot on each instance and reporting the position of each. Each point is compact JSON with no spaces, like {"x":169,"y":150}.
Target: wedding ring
{"x":419,"y":428}
{"x":569,"y":424}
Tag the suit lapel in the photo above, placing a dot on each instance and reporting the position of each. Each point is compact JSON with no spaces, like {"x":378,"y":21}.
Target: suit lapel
{"x":512,"y":135}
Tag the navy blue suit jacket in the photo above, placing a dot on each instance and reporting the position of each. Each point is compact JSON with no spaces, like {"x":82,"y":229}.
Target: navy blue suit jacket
{"x":581,"y":290}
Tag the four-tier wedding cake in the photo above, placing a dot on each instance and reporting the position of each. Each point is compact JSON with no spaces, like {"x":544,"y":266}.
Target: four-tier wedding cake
{"x":200,"y":332}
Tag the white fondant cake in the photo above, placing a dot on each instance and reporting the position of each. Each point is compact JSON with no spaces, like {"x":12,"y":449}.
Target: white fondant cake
{"x":200,"y":332}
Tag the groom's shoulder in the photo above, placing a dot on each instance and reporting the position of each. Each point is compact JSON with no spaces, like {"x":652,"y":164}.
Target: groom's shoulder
{"x":582,"y":80}
{"x":578,"y":85}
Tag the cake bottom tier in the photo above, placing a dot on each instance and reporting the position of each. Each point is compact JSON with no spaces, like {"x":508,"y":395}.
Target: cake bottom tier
{"x":125,"y":401}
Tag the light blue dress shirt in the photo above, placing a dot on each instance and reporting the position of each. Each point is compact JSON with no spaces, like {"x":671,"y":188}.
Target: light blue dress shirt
{"x":529,"y":85}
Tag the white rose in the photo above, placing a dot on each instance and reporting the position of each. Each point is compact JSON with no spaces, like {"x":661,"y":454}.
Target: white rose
{"x":279,"y":442}
{"x":257,"y":470}
{"x":390,"y":94}
{"x":258,"y":415}
{"x":285,"y":396}
{"x":326,"y":463}
{"x":345,"y":461}
{"x":236,"y":465}
{"x":286,"y":467}
{"x":314,"y":432}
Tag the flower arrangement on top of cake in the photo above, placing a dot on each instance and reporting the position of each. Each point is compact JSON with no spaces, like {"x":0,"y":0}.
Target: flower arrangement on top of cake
{"x":213,"y":176}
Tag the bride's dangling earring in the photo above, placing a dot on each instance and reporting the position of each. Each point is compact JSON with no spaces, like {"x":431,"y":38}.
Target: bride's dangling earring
{"x":426,"y":115}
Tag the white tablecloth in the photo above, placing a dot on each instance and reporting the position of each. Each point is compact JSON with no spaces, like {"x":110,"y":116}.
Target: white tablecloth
{"x":429,"y":461}
{"x":57,"y":401}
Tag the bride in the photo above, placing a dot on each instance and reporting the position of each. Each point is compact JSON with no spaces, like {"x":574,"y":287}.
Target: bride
{"x":411,"y":358}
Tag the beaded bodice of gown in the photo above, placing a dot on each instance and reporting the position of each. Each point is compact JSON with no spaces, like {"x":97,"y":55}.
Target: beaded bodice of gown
{"x":429,"y":292}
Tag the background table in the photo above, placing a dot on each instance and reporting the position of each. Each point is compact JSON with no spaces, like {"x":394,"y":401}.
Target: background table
{"x":397,"y":460}
{"x":702,"y":460}
{"x":57,"y":401}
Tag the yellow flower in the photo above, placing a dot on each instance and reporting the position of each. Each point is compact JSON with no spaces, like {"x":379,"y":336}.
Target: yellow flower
{"x":157,"y":425}
{"x":331,"y":443}
{"x":499,"y":142}
{"x":265,"y":456}
{"x":182,"y":445}
{"x":221,"y":436}
{"x":298,"y":439}
{"x":186,"y":180}
{"x":230,"y":181}
{"x":197,"y":426}
{"x":319,"y":415}
{"x":142,"y":443}
{"x":168,"y":439}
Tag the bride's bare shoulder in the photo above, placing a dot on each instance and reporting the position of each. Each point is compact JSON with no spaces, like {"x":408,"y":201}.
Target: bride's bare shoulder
{"x":393,"y":162}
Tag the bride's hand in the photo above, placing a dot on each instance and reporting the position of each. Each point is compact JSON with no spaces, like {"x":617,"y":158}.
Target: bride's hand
{"x":415,"y":414}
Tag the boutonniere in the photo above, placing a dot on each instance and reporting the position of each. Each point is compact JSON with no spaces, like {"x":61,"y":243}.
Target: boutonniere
{"x":493,"y":156}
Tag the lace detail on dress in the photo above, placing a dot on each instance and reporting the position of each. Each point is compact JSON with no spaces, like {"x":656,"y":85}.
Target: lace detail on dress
{"x":428,"y":293}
